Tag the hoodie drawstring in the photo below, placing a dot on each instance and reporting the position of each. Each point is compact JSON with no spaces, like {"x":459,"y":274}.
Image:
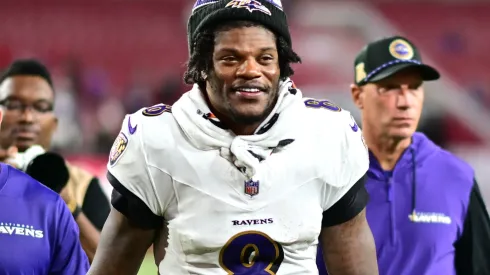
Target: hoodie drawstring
{"x":414,"y":182}
{"x":392,"y":202}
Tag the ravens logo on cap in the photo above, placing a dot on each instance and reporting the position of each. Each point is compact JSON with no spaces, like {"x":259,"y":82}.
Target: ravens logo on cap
{"x":250,"y":5}
{"x":401,"y":49}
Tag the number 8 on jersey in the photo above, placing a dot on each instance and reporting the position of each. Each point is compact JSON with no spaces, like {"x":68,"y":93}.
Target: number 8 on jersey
{"x":251,"y":252}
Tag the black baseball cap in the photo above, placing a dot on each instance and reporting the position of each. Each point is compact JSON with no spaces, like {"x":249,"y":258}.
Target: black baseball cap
{"x":383,"y":58}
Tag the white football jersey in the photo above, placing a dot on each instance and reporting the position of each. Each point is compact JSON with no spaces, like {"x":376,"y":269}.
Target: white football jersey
{"x":220,"y":223}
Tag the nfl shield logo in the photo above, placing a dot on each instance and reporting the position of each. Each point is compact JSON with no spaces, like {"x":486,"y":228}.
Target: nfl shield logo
{"x":251,"y":187}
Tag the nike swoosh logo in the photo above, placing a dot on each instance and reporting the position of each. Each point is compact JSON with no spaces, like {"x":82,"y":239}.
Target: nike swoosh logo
{"x":131,"y":129}
{"x":354,"y":127}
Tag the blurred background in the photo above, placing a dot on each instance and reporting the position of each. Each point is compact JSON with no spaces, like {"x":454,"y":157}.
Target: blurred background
{"x":112,"y":57}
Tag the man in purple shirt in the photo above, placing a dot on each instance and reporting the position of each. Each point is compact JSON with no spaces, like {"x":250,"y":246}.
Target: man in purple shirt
{"x":425,"y":210}
{"x":38,"y":234}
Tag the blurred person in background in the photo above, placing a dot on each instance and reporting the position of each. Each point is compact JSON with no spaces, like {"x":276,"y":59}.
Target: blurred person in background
{"x":37,"y":232}
{"x":426,"y":211}
{"x":244,"y":127}
{"x":27,"y":97}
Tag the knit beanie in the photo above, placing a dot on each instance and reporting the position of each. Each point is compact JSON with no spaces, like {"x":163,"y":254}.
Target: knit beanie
{"x":212,"y":13}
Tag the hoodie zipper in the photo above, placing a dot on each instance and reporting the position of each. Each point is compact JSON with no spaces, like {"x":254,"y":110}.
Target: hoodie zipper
{"x":391,"y":200}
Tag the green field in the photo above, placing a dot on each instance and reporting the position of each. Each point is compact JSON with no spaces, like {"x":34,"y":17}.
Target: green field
{"x":148,"y":267}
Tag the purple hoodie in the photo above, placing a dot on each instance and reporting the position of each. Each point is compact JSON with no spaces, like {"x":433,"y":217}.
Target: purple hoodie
{"x":38,"y":234}
{"x":417,"y":211}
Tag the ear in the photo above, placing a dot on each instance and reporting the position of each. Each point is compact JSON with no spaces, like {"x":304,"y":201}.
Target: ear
{"x":1,"y":116}
{"x":357,"y":95}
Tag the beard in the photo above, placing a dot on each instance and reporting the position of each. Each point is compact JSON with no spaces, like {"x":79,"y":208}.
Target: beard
{"x":250,"y":119}
{"x":232,"y":113}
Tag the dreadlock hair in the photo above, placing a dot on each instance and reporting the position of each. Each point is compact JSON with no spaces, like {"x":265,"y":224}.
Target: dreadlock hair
{"x":27,"y":67}
{"x":201,"y":60}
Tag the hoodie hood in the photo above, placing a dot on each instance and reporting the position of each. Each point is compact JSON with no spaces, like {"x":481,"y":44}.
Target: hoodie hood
{"x":414,"y":156}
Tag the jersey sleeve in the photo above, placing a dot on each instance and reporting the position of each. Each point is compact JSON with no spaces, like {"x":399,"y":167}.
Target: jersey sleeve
{"x":68,"y":255}
{"x":345,"y":195}
{"x":96,"y":204}
{"x":135,"y":194}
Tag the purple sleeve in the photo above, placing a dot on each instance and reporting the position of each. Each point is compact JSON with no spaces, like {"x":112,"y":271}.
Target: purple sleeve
{"x":68,"y":255}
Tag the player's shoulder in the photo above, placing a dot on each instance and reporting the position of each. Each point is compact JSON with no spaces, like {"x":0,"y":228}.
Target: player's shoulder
{"x":324,"y":109}
{"x":329,"y":116}
{"x":149,"y":117}
{"x":147,"y":130}
{"x":149,"y":122}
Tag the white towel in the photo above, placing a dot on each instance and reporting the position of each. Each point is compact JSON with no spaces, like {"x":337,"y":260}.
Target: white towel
{"x":245,"y":152}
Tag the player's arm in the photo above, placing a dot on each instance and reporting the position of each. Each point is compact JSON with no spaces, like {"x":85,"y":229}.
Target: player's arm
{"x":136,"y":212}
{"x":127,"y":234}
{"x":473,"y":247}
{"x":68,"y":256}
{"x":346,"y":239}
{"x":123,"y":246}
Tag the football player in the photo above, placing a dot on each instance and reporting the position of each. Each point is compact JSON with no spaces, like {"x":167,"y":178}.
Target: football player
{"x":248,"y":174}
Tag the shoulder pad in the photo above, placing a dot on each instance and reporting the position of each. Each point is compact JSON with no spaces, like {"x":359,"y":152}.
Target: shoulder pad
{"x":321,"y":104}
{"x":157,"y":110}
{"x":325,"y":111}
{"x":144,"y":128}
{"x":151,"y":120}
{"x":149,"y":116}
{"x":331,"y":116}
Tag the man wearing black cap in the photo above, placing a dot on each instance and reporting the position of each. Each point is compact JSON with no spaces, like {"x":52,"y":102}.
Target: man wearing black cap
{"x":246,"y":172}
{"x":426,"y":211}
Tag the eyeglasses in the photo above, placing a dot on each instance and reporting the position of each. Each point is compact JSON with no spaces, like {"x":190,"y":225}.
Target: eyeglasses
{"x":40,"y":107}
